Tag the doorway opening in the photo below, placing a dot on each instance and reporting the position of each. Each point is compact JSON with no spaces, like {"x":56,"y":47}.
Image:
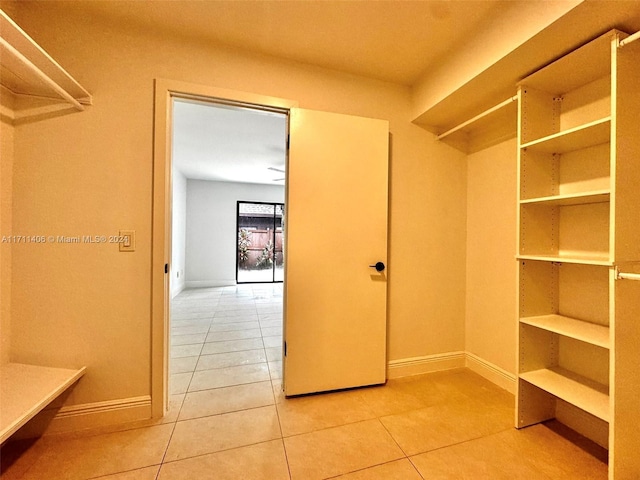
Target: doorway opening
{"x":225,"y":319}
{"x":260,"y":254}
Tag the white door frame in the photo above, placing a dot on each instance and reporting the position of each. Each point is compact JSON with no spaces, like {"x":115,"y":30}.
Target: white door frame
{"x":165,"y":91}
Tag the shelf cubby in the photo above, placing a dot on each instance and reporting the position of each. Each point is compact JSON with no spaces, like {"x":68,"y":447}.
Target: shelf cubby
{"x":585,"y":394}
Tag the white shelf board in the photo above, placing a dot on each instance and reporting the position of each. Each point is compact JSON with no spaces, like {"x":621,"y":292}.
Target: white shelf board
{"x":582,"y":198}
{"x":583,"y":136}
{"x":582,"y":66}
{"x":601,"y":260}
{"x":570,"y":327}
{"x":586,"y":394}
{"x":40,"y":74}
{"x":27,"y":389}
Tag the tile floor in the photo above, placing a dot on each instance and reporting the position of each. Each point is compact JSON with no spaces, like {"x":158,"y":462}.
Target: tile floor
{"x":229,"y":420}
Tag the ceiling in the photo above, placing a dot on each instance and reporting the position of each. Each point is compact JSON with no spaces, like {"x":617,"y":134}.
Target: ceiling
{"x":228,"y":144}
{"x":396,"y":41}
{"x":391,"y":40}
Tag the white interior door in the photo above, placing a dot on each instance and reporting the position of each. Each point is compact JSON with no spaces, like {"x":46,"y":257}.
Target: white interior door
{"x":336,"y":227}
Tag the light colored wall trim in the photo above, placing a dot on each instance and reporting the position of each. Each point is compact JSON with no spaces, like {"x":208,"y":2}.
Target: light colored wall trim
{"x":209,"y":283}
{"x":89,"y":415}
{"x":405,"y":367}
{"x":491,"y":372}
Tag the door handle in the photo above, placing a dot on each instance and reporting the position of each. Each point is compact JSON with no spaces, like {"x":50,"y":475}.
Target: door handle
{"x":379,"y":266}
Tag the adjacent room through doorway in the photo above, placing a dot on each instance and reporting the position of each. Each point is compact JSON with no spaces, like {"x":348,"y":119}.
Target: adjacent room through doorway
{"x":228,"y":172}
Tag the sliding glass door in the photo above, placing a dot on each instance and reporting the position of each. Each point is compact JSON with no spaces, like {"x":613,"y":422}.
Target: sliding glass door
{"x":260,"y":252}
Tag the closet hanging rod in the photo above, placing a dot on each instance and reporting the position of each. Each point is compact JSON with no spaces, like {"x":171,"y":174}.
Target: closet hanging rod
{"x":478,"y":117}
{"x":41,"y":75}
{"x":627,"y":276}
{"x":629,"y":39}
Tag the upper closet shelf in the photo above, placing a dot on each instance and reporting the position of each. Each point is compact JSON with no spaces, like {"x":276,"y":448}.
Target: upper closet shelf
{"x":26,"y":69}
{"x":583,"y":136}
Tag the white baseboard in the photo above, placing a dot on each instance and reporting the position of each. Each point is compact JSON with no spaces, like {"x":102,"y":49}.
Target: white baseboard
{"x":491,"y":372}
{"x":90,"y":415}
{"x":446,"y":361}
{"x":405,"y":367}
{"x":209,"y":283}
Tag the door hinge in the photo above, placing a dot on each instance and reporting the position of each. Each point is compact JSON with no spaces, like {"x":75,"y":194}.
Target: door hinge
{"x":288,"y":141}
{"x":166,"y":268}
{"x":285,"y":349}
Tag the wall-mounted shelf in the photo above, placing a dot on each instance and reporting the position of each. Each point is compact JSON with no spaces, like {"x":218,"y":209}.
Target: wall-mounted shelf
{"x":574,"y":389}
{"x":581,"y":198}
{"x":27,"y":70}
{"x":583,"y":136}
{"x":25,"y":390}
{"x":570,"y":327}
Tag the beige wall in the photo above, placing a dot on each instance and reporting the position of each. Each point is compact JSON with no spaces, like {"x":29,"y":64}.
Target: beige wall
{"x":90,"y":173}
{"x":6,"y":166}
{"x":491,"y":250}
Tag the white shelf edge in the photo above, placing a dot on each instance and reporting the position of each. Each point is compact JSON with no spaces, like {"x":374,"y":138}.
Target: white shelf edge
{"x":566,"y":134}
{"x":18,"y":48}
{"x":587,"y":332}
{"x":585,"y":394}
{"x":592,"y":260}
{"x":582,"y":198}
{"x":25,"y":390}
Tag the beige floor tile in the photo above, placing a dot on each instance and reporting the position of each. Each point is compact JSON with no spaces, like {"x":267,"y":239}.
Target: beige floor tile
{"x":227,"y":399}
{"x":174,"y":407}
{"x":556,"y":456}
{"x":446,"y":424}
{"x":182,"y":364}
{"x":17,"y":456}
{"x":232,"y":346}
{"x":401,"y":396}
{"x":271,"y":331}
{"x":223,"y":432}
{"x":397,"y":470}
{"x":226,"y":377}
{"x":228,"y":327}
{"x":149,"y":473}
{"x":189,"y":339}
{"x":233,"y":335}
{"x":88,"y":457}
{"x":179,"y":382}
{"x":274,"y":354}
{"x":271,"y":323}
{"x":270,"y":342}
{"x":486,"y":458}
{"x":231,"y":359}
{"x":275,"y":370}
{"x":314,"y":412}
{"x":179,"y":351}
{"x":339,"y":450}
{"x":263,"y":461}
{"x":234,"y":317}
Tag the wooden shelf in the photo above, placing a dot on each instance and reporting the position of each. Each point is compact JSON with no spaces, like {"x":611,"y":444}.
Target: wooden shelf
{"x":570,"y":327}
{"x":602,"y":260}
{"x":583,"y":65}
{"x":584,"y":136}
{"x":586,"y":394}
{"x":583,"y":198}
{"x":27,"y":389}
{"x":26,"y":69}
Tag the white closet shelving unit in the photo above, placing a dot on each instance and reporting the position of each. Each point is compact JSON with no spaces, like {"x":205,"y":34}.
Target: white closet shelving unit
{"x":26,"y":70}
{"x":579,"y":220}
